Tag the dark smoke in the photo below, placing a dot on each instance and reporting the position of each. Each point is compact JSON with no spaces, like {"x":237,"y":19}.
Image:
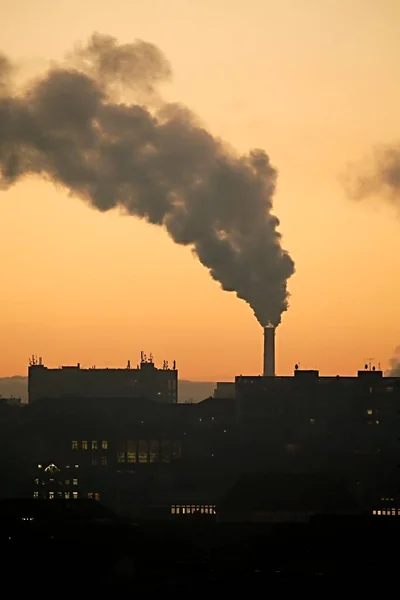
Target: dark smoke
{"x":394,"y":362}
{"x":379,"y":178}
{"x":71,"y":127}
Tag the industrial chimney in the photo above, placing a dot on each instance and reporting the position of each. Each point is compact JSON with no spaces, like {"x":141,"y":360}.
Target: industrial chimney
{"x":269,"y":351}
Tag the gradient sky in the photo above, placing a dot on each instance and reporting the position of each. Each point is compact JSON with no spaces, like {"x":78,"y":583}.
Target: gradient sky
{"x":313,"y":82}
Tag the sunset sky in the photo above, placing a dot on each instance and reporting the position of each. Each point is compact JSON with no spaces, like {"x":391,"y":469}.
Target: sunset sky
{"x":316,"y":84}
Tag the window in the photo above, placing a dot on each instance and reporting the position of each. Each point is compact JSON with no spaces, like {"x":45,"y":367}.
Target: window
{"x":36,"y":494}
{"x":104,"y":445}
{"x":51,"y":495}
{"x":103,"y":461}
{"x":97,"y":496}
{"x":67,"y":495}
{"x":74,"y":445}
{"x":40,"y":466}
{"x":121,"y":457}
{"x":94,"y":445}
{"x":36,"y":481}
{"x":75,"y":495}
{"x":143,"y":451}
{"x":67,"y":482}
{"x":74,"y":482}
{"x":377,"y":422}
{"x":94,"y":462}
{"x":84,"y":445}
{"x":131,"y":457}
{"x":90,"y":495}
{"x":369,"y":411}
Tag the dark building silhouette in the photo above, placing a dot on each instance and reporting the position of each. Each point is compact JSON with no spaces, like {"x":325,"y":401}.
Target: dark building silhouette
{"x":146,"y":381}
{"x":146,"y":457}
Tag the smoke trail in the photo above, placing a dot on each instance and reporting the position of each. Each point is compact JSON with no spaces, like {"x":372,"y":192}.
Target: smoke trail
{"x":394,"y":370}
{"x":71,"y":127}
{"x":380,"y":176}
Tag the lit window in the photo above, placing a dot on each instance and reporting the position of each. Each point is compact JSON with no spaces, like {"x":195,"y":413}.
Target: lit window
{"x":374,"y":512}
{"x":173,"y":510}
{"x":104,"y":445}
{"x":36,"y":481}
{"x":377,"y":422}
{"x":312,"y":421}
{"x":94,"y":445}
{"x":131,"y":457}
{"x":40,"y":466}
{"x":51,"y":495}
{"x":104,"y":461}
{"x":378,"y":512}
{"x":84,"y":445}
{"x":36,"y":494}
{"x":76,"y":466}
{"x":369,"y":411}
{"x":67,"y":495}
{"x":97,"y":497}
{"x":75,"y":495}
{"x":74,"y":482}
{"x":74,"y":445}
{"x":90,"y":495}
{"x":121,"y":457}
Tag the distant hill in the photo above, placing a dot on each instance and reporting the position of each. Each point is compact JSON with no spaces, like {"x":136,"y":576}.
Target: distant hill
{"x":189,"y":391}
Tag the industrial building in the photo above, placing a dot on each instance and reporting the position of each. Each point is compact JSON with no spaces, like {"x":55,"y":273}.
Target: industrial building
{"x":82,"y":436}
{"x":146,"y":381}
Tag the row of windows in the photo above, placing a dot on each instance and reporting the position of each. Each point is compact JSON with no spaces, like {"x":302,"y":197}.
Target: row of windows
{"x":193,"y":509}
{"x":94,"y":444}
{"x":393,"y":512}
{"x":67,"y":481}
{"x":68,"y":495}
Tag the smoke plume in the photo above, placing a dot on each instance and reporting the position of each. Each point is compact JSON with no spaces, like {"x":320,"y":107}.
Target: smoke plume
{"x":73,"y":126}
{"x":380,"y":176}
{"x":394,"y":370}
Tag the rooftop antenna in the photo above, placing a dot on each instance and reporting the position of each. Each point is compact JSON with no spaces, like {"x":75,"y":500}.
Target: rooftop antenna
{"x":368,"y":363}
{"x":128,"y":366}
{"x":174,"y":365}
{"x":151,"y":357}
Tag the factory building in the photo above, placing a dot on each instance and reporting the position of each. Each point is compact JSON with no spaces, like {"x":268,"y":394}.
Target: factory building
{"x":146,"y":381}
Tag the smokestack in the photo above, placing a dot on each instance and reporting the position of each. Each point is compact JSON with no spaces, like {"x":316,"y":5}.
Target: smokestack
{"x":269,"y":351}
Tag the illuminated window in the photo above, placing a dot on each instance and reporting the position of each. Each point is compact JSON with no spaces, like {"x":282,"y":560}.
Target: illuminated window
{"x":76,"y":466}
{"x":36,"y":494}
{"x":377,"y":422}
{"x":103,"y":461}
{"x":173,"y":510}
{"x":378,"y":512}
{"x":143,"y":451}
{"x":75,"y":495}
{"x":40,"y":466}
{"x":104,"y":445}
{"x":312,"y":421}
{"x":131,"y":457}
{"x":67,"y":495}
{"x":74,"y":482}
{"x":121,"y":457}
{"x":84,"y":445}
{"x":94,"y":445}
{"x":51,"y":495}
{"x":97,"y":497}
{"x":369,"y":411}
{"x":36,"y":481}
{"x":90,"y":495}
{"x":74,"y":445}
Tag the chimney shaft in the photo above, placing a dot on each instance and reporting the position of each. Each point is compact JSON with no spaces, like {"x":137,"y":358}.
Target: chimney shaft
{"x":269,"y":352}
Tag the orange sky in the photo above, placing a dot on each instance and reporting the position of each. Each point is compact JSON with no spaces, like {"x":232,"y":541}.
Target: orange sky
{"x":316,"y":85}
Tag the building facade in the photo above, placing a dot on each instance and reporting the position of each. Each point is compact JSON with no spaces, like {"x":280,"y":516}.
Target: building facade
{"x":146,"y":381}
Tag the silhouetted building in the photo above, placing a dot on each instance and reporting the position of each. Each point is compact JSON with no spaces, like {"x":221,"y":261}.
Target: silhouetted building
{"x":146,"y":381}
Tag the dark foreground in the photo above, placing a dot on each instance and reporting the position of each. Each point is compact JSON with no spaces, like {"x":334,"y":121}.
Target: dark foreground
{"x":75,"y":545}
